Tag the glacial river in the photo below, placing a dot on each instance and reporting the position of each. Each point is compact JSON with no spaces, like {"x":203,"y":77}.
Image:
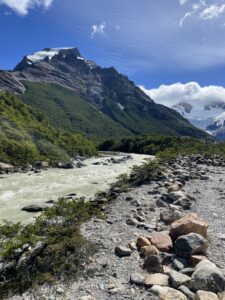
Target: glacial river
{"x":19,"y":190}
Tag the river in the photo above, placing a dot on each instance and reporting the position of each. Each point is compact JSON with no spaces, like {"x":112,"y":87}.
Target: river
{"x":21,"y":189}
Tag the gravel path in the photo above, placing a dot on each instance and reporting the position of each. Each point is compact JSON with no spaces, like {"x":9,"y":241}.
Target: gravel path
{"x":111,"y":279}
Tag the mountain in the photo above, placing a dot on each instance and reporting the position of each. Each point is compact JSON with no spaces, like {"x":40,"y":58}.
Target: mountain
{"x":26,"y":136}
{"x":209,"y":116}
{"x":77,"y":95}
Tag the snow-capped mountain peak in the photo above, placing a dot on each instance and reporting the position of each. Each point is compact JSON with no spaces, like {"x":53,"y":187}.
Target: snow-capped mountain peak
{"x":46,"y":53}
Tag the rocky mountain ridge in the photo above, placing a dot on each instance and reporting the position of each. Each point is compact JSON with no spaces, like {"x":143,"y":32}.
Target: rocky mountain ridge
{"x":128,"y":109}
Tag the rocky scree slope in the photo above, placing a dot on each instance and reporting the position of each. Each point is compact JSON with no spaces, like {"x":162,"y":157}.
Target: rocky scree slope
{"x":112,"y":97}
{"x":153,"y":245}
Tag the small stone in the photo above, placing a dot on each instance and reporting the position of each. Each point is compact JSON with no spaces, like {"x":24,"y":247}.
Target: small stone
{"x":166,"y":293}
{"x":177,"y":279}
{"x":132,"y":222}
{"x":195,"y":259}
{"x":202,"y":295}
{"x":153,"y":263}
{"x":187,"y":292}
{"x":175,"y":187}
{"x":143,"y":241}
{"x":162,"y":241}
{"x":149,"y":250}
{"x":60,"y":290}
{"x":137,"y":279}
{"x":180,"y":263}
{"x":189,"y":244}
{"x":122,"y":251}
{"x":187,"y":271}
{"x":87,"y":298}
{"x":156,"y":279}
{"x":132,"y":246}
{"x":166,"y":270}
{"x":169,"y":216}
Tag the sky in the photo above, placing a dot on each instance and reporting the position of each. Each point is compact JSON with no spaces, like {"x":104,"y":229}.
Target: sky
{"x":172,"y":48}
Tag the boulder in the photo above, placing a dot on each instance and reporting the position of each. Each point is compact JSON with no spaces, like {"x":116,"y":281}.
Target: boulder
{"x":162,"y":241}
{"x":166,"y":293}
{"x":202,"y":295}
{"x":189,"y":244}
{"x":156,"y":279}
{"x":6,"y":167}
{"x":149,"y":250}
{"x":32,"y":208}
{"x":207,"y":277}
{"x":177,"y":279}
{"x":187,"y":224}
{"x":122,"y":251}
{"x":143,"y":241}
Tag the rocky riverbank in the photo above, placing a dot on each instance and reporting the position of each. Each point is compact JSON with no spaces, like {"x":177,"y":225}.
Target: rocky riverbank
{"x":162,"y":240}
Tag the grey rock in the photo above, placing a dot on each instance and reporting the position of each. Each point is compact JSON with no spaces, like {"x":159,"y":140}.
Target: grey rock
{"x":169,"y":216}
{"x":207,"y":277}
{"x":37,"y":249}
{"x":137,"y":279}
{"x":122,"y":251}
{"x":187,"y":271}
{"x":153,"y":263}
{"x":32,"y":208}
{"x":187,"y":292}
{"x":189,"y":244}
{"x":177,"y":279}
{"x":180,"y":263}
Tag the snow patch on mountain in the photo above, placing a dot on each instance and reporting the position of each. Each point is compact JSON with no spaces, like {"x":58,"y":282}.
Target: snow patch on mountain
{"x":42,"y":55}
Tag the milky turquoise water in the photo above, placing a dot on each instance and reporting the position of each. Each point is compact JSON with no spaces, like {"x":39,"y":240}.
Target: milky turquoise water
{"x":18,"y":190}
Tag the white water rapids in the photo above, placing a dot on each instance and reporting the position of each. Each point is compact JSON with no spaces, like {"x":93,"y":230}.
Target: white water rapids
{"x":21,"y":189}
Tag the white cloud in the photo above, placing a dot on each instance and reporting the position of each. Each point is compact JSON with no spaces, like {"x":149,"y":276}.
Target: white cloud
{"x":182,"y":2}
{"x":98,"y":29}
{"x":117,"y":27}
{"x":213,"y":11}
{"x":190,"y":92}
{"x":22,"y":7}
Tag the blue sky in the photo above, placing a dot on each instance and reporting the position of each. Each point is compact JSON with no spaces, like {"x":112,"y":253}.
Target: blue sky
{"x":154,"y":42}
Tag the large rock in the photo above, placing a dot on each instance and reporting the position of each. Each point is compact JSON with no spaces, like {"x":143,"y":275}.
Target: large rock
{"x":32,"y":208}
{"x":166,"y":293}
{"x":202,"y":295}
{"x":156,"y":279}
{"x":6,"y":167}
{"x":207,"y":277}
{"x":162,"y":241}
{"x":177,"y":279}
{"x":187,"y":292}
{"x":189,"y":244}
{"x":187,"y":224}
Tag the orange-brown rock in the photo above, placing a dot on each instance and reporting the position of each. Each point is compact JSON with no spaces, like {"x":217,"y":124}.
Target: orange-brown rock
{"x":162,"y":241}
{"x":143,"y":241}
{"x":187,"y":224}
{"x":149,"y":250}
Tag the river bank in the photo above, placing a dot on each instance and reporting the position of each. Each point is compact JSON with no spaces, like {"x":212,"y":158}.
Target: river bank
{"x":138,"y":213}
